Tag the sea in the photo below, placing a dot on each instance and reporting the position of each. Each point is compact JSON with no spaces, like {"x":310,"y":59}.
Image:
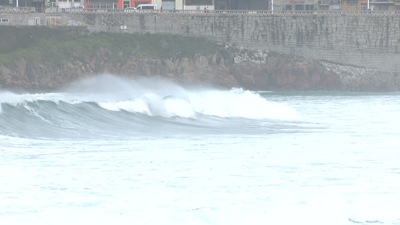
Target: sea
{"x":112,"y":150}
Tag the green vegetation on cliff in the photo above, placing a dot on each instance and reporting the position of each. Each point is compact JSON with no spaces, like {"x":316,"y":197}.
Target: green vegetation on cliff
{"x":55,"y":45}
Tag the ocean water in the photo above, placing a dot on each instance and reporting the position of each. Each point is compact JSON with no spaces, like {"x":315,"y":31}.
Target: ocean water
{"x":109,"y":150}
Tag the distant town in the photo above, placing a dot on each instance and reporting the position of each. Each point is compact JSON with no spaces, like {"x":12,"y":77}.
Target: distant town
{"x":208,"y":5}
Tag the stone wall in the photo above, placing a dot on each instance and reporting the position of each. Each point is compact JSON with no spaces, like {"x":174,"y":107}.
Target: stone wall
{"x":371,"y":41}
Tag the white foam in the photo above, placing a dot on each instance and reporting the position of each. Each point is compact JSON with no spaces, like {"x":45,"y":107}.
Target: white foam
{"x":160,"y":98}
{"x":234,"y":103}
{"x":239,"y":103}
{"x":179,"y":108}
{"x":15,"y":99}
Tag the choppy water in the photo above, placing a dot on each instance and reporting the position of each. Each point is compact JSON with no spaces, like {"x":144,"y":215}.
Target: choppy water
{"x":114,"y":151}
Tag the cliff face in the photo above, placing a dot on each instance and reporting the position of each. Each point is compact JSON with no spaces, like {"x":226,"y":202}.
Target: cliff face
{"x":362,"y":79}
{"x":40,"y":59}
{"x":220,"y":70}
{"x":280,"y":74}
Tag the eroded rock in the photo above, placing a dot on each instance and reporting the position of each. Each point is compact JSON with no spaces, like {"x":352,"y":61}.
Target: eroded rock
{"x":221,"y":70}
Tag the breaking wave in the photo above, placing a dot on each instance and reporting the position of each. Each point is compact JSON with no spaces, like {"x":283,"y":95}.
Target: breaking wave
{"x":109,"y":100}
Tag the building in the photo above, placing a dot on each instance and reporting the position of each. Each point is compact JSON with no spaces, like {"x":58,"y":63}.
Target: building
{"x":384,"y":5}
{"x":295,"y":5}
{"x":198,"y":4}
{"x":278,"y":5}
{"x":329,"y":5}
{"x":170,"y":4}
{"x":242,"y":4}
{"x":122,"y":4}
{"x":68,"y":3}
{"x":354,"y":5}
{"x":22,"y":3}
{"x":359,"y":5}
{"x":7,"y":2}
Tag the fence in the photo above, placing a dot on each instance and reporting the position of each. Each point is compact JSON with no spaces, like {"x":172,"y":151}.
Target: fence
{"x":198,"y":12}
{"x":4,"y":9}
{"x":234,"y":12}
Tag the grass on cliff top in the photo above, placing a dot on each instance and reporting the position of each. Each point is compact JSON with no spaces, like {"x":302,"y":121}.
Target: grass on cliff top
{"x":43,"y":44}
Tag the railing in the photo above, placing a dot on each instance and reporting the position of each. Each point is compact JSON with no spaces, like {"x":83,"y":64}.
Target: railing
{"x":17,"y":9}
{"x":197,"y":12}
{"x":233,"y":12}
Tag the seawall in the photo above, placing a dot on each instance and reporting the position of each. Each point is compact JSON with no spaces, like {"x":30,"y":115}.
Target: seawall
{"x":370,"y":41}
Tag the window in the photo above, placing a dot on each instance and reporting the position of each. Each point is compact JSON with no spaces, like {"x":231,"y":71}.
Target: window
{"x":198,"y":2}
{"x":324,"y":7}
{"x":126,"y":4}
{"x":384,"y":7}
{"x":309,"y":7}
{"x":100,"y":5}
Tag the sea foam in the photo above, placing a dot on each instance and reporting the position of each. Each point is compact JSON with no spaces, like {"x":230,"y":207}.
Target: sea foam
{"x":161,"y":98}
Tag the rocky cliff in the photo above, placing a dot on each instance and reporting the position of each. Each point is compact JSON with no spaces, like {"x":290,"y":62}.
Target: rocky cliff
{"x":221,"y":70}
{"x":40,"y":59}
{"x":224,"y":69}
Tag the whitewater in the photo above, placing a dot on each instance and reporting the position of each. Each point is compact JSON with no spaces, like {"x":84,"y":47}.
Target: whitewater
{"x":110,"y":150}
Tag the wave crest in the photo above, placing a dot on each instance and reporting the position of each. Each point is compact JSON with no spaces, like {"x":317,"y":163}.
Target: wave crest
{"x":161,"y":98}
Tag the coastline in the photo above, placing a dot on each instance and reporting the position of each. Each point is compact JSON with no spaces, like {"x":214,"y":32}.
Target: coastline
{"x":48,"y":64}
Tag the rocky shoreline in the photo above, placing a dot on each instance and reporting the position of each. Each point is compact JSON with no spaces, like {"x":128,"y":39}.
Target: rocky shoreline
{"x":249,"y":69}
{"x":362,"y":79}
